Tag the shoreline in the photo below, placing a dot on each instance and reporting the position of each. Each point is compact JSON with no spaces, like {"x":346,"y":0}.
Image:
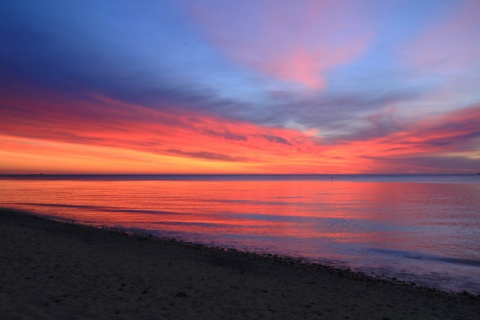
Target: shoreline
{"x":277,"y":258}
{"x":59,"y":269}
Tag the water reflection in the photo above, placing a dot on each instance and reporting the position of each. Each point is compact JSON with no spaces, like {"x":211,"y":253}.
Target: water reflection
{"x":389,"y":227}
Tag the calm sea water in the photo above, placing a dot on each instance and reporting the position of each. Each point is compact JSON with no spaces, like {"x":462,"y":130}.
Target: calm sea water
{"x":420,"y":228}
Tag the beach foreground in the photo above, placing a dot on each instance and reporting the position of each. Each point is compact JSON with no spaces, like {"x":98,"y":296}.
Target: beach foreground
{"x":60,"y":270}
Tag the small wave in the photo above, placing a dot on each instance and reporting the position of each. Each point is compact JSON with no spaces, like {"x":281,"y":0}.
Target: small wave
{"x":428,"y":257}
{"x":99,"y":208}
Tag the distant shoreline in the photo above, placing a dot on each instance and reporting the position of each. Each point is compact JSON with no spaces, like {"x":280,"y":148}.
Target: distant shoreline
{"x":264,"y":177}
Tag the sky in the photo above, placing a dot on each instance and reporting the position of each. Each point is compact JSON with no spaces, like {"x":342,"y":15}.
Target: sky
{"x":220,"y":86}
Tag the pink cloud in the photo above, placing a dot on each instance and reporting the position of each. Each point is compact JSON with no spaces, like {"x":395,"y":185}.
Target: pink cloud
{"x":53,"y":126}
{"x":457,"y":131}
{"x":308,"y":67}
{"x":451,"y":43}
{"x":296,"y":43}
{"x":100,"y":121}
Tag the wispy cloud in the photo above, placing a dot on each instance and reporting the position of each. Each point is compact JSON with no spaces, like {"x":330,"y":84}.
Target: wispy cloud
{"x":298,"y":47}
{"x":103,"y":122}
{"x":255,"y":86}
{"x":449,"y":43}
{"x":207,"y":155}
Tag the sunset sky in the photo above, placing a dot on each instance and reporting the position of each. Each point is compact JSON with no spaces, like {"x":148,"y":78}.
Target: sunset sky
{"x":251,"y":86}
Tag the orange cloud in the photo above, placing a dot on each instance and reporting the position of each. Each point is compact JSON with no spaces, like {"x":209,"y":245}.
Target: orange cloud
{"x":50,"y":132}
{"x":81,"y":132}
{"x":454,"y":135}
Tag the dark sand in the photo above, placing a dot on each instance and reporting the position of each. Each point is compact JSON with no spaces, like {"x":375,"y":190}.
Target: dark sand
{"x":53,"y":270}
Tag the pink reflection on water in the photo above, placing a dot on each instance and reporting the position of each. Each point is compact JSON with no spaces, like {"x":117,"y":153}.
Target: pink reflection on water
{"x":377,"y":213}
{"x":361,"y":224}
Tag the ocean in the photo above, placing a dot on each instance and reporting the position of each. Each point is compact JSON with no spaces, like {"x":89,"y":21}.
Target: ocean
{"x":418,"y":228}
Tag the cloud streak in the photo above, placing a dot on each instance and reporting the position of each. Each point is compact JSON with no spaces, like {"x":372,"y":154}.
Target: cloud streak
{"x":298,"y":48}
{"x":106,"y":123}
{"x":265,"y":86}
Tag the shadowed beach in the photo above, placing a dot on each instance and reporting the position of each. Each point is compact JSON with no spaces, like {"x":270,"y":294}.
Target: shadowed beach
{"x":59,"y":270}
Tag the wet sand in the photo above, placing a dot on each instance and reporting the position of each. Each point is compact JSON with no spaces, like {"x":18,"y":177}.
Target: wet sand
{"x":55,"y":270}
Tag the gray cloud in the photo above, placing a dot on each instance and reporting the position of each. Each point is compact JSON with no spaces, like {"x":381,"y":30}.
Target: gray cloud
{"x":208,"y":155}
{"x":275,"y":139}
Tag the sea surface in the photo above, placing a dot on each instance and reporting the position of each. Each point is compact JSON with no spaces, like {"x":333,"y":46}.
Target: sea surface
{"x":418,"y":228}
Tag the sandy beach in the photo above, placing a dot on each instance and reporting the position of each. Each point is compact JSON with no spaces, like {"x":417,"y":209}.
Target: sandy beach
{"x":55,"y":270}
